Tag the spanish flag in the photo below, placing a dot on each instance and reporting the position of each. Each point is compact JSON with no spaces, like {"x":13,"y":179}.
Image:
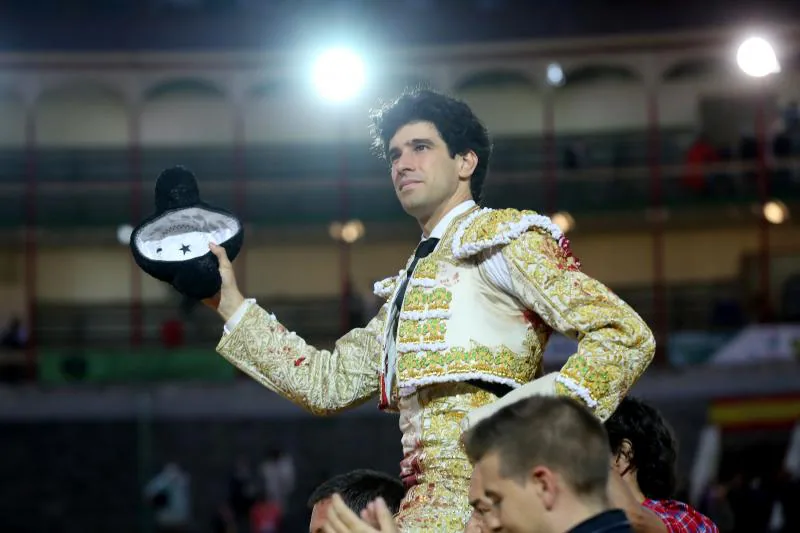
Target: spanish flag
{"x":755,"y":412}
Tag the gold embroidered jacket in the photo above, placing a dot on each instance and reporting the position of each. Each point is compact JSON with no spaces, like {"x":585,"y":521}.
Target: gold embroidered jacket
{"x":481,"y":306}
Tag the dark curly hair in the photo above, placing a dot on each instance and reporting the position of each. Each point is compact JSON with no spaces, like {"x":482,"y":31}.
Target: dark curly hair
{"x":460,"y":129}
{"x":359,"y":487}
{"x":655,"y":450}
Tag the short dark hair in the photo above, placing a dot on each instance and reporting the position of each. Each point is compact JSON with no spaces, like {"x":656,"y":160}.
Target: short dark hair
{"x":655,"y":449}
{"x":552,"y":431}
{"x":460,"y":129}
{"x":359,"y":487}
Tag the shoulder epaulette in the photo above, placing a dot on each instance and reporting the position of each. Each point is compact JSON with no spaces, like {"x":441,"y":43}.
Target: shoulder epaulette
{"x":488,"y":228}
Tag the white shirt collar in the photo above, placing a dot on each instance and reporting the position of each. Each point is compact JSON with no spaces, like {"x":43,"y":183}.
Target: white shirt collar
{"x":440,"y":228}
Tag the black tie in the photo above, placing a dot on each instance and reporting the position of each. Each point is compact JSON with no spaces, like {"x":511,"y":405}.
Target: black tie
{"x":424,"y":249}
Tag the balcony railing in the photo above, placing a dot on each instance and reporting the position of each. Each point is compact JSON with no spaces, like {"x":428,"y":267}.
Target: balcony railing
{"x":301,"y":184}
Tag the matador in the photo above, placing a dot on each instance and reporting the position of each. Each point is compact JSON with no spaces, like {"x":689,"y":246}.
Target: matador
{"x":464,"y":322}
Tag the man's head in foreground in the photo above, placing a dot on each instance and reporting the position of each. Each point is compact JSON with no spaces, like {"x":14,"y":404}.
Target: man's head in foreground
{"x":357,"y":489}
{"x":542,"y":464}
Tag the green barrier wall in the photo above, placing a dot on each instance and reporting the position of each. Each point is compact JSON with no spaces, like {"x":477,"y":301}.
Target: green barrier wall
{"x":127,"y":366}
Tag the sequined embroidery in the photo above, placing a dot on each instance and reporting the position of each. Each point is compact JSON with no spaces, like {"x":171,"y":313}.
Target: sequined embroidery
{"x":421,"y":332}
{"x":422,"y":299}
{"x":435,"y":465}
{"x":489,"y":228}
{"x":616,"y":346}
{"x":427,"y":268}
{"x":500,"y":364}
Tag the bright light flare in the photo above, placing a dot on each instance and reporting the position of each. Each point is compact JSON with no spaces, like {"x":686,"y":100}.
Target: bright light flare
{"x":756,"y":57}
{"x":339,"y":74}
{"x":349,"y":232}
{"x":555,"y":75}
{"x":352,"y":231}
{"x":776,"y":212}
{"x":564,"y":221}
{"x":124,"y":233}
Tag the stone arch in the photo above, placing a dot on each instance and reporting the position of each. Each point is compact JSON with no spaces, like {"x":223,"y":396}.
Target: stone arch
{"x":287,"y":111}
{"x":186,"y":111}
{"x":599,"y":73}
{"x":267,"y":89}
{"x":599,"y":99}
{"x":694,"y":68}
{"x":80,"y":112}
{"x":81,"y":87}
{"x":506,"y":99}
{"x":493,"y":79}
{"x":685,"y":82}
{"x":183,"y":86}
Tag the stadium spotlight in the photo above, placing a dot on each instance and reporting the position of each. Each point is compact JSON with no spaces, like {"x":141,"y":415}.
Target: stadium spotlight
{"x":352,"y":231}
{"x":775,"y":212}
{"x":555,"y":75}
{"x":564,"y":221}
{"x":756,"y":57}
{"x":338,"y":74}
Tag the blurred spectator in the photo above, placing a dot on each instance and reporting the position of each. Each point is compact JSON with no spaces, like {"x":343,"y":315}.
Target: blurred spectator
{"x":575,"y":155}
{"x":223,"y":521}
{"x":700,"y":154}
{"x":168,"y":496}
{"x":241,"y":494}
{"x":266,"y":516}
{"x":14,"y":335}
{"x":787,"y":492}
{"x":278,"y":476}
{"x":172,"y":334}
{"x":716,"y":506}
{"x":645,"y":456}
{"x":752,"y":506}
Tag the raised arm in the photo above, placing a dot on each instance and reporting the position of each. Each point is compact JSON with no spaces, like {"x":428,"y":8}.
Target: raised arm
{"x":321,"y":381}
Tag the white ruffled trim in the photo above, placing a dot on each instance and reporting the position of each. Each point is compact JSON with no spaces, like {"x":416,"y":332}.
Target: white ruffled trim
{"x":410,"y":386}
{"x":512,"y":231}
{"x":578,"y":389}
{"x":384,"y":288}
{"x":462,"y":228}
{"x":423,"y":315}
{"x":380,"y":288}
{"x":422,"y":282}
{"x":416,"y":347}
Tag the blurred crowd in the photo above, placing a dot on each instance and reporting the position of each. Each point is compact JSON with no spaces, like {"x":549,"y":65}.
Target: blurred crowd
{"x":540,"y":465}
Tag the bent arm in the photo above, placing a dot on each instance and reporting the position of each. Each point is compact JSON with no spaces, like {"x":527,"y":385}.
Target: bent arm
{"x":615,"y":345}
{"x":321,"y":381}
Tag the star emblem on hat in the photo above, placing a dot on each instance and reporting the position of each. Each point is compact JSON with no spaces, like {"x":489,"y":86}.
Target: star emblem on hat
{"x":185,"y":248}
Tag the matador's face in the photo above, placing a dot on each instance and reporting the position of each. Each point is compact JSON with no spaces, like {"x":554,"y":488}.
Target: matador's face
{"x":424,"y":175}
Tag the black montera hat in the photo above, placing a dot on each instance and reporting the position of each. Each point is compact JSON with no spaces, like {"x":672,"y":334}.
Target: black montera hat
{"x":172,"y":244}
